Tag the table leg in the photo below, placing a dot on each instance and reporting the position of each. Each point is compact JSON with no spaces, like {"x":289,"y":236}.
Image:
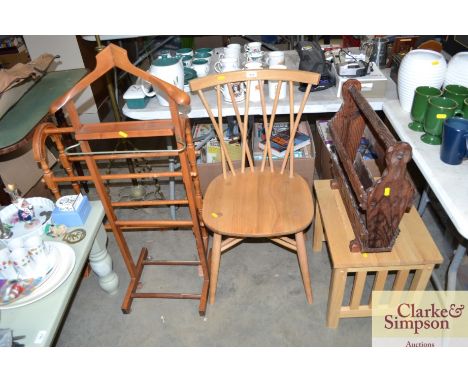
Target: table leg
{"x":335,"y":298}
{"x":318,"y":230}
{"x":101,"y":263}
{"x":423,"y":201}
{"x":454,"y":265}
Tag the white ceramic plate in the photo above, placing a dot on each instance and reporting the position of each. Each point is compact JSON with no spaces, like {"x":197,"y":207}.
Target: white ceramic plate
{"x":9,"y":213}
{"x":65,"y":262}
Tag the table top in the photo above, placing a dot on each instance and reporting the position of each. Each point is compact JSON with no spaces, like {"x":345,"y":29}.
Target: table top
{"x":449,"y":183}
{"x":414,"y":245}
{"x":19,"y":122}
{"x":324,"y":101}
{"x":40,"y":320}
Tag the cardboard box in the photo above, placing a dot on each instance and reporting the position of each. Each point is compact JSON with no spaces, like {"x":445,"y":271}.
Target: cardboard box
{"x":323,"y":163}
{"x":11,"y":59}
{"x":302,"y":166}
{"x":213,"y":151}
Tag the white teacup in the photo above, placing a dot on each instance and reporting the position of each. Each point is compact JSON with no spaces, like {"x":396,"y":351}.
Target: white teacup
{"x":254,"y":85}
{"x":7,"y":270}
{"x":15,"y":243}
{"x":234,"y":47}
{"x":187,"y":61}
{"x":252,"y":47}
{"x":201,"y":66}
{"x":227,"y":64}
{"x":230,"y":53}
{"x":23,"y":264}
{"x":254,"y":56}
{"x":273,"y":85}
{"x":38,"y":253}
{"x":238,"y":89}
{"x":275,"y":58}
{"x":202,"y":56}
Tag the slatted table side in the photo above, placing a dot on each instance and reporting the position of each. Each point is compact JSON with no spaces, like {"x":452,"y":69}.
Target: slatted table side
{"x":414,"y":252}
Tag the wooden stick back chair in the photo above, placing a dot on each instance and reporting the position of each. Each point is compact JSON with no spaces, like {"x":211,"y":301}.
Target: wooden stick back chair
{"x":256,"y":201}
{"x":177,"y":127}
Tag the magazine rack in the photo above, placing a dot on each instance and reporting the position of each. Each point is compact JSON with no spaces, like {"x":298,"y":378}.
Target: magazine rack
{"x":375,"y":206}
{"x":177,"y":128}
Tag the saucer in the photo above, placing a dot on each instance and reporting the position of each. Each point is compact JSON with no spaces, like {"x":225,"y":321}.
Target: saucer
{"x":64,"y":264}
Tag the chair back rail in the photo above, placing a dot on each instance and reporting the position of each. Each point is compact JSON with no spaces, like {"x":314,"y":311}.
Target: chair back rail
{"x":216,"y":82}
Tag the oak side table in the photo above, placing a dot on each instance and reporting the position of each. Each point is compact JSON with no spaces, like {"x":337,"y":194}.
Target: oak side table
{"x":412,"y":259}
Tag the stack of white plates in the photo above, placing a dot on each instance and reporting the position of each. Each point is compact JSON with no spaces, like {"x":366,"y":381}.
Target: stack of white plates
{"x":419,"y":67}
{"x":457,"y":70}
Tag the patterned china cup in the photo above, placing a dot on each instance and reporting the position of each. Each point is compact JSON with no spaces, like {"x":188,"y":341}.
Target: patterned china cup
{"x":38,"y":253}
{"x":15,"y":243}
{"x":7,"y":269}
{"x":23,"y":263}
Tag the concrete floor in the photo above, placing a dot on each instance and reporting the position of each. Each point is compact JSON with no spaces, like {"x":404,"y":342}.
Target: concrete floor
{"x":260,"y":298}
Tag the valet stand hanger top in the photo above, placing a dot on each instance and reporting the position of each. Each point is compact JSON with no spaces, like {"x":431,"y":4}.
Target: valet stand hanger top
{"x":178,"y":126}
{"x":115,"y":57}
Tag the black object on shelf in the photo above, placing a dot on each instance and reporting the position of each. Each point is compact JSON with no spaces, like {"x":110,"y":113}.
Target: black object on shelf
{"x":312,"y":59}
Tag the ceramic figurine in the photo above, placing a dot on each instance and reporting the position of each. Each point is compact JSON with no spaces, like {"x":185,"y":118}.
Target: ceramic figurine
{"x":25,"y":209}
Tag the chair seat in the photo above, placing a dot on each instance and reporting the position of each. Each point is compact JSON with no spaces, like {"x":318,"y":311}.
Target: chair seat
{"x":259,"y":204}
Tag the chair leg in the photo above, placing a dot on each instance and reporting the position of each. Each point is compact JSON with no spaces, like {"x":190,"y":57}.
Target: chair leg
{"x":303,"y":264}
{"x":215,"y":258}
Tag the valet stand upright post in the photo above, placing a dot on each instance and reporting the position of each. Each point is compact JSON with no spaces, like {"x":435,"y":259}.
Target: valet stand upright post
{"x":177,"y":127}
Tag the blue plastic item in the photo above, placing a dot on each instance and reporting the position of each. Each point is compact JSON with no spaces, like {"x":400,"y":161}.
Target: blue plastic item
{"x":72,"y":218}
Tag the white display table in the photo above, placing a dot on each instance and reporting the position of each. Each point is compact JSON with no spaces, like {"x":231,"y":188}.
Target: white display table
{"x":449,"y":183}
{"x":40,"y":320}
{"x":324,"y":101}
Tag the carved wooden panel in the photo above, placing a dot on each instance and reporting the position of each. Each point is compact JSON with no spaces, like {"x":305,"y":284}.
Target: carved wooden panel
{"x":375,"y":206}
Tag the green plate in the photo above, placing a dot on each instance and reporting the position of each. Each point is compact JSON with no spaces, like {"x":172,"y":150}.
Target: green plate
{"x":189,"y":74}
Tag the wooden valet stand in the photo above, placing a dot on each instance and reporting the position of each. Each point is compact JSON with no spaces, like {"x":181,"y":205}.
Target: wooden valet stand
{"x":177,"y":127}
